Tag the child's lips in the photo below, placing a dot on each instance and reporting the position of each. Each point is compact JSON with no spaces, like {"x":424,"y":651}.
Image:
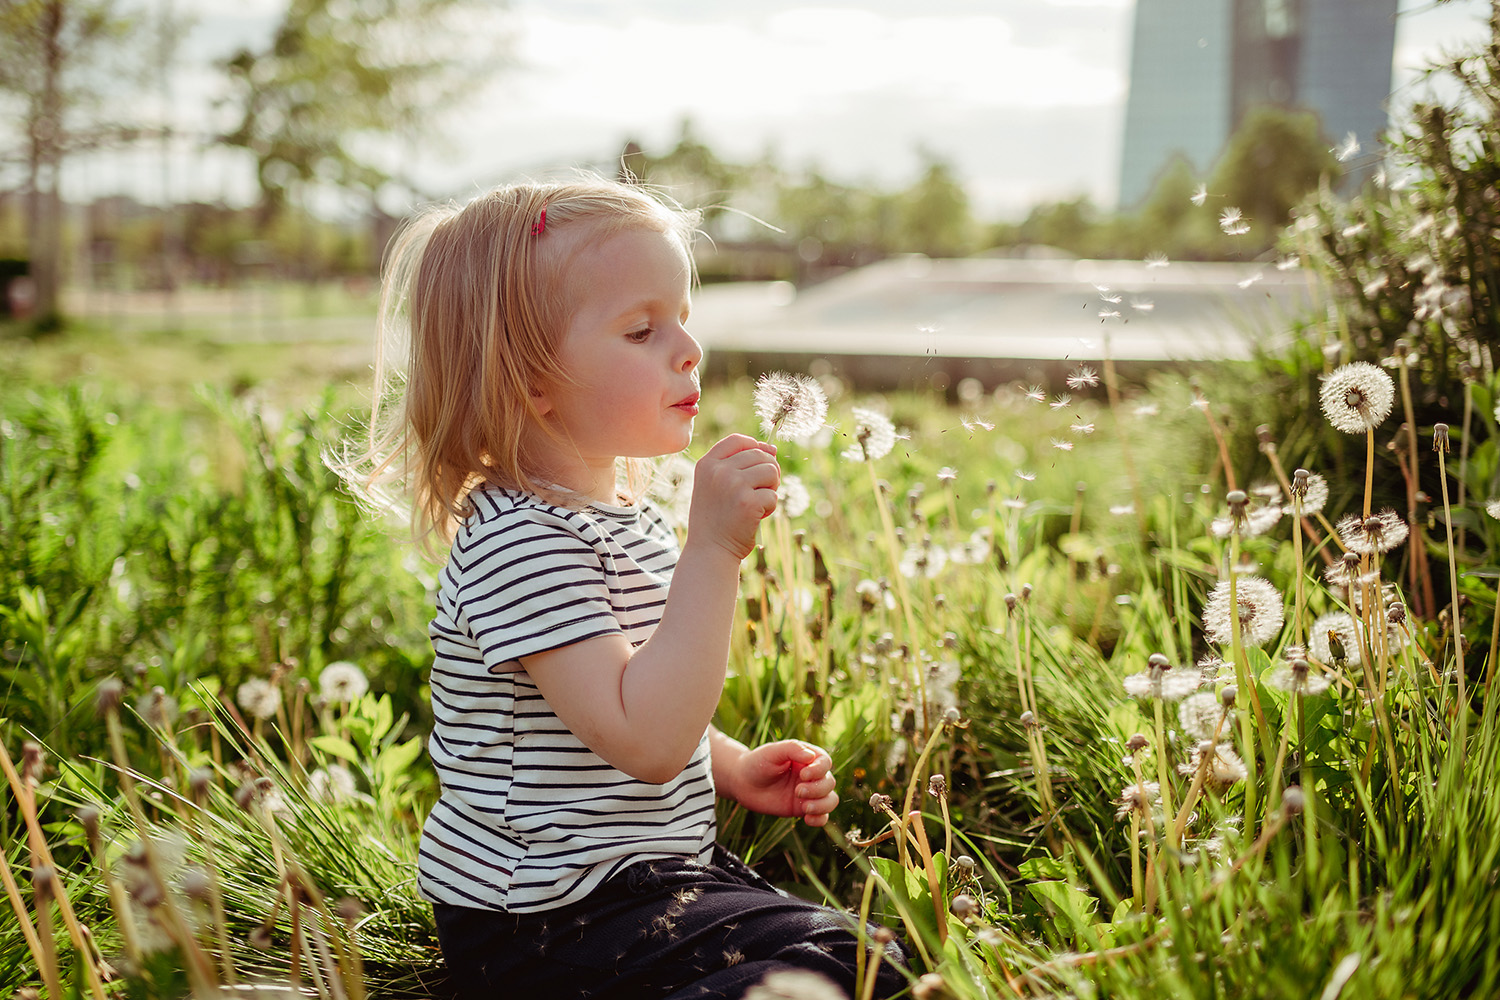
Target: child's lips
{"x":688,"y":405}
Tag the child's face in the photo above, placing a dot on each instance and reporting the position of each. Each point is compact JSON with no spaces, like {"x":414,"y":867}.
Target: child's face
{"x":635,"y":364}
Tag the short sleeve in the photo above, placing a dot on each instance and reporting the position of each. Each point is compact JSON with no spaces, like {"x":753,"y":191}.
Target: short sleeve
{"x":530,"y":580}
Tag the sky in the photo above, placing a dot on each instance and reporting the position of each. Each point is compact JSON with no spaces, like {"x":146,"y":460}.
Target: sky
{"x":1023,"y":98}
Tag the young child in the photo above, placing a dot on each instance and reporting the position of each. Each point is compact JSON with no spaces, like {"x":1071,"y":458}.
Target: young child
{"x":579,"y":656}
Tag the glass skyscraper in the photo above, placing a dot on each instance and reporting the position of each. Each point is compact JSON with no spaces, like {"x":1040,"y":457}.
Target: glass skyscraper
{"x":1197,"y":66}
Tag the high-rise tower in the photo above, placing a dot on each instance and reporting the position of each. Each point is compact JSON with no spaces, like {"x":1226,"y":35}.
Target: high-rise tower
{"x":1197,"y":66}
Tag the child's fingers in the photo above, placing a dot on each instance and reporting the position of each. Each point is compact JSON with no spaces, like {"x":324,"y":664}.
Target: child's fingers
{"x":815,"y":811}
{"x":735,"y":443}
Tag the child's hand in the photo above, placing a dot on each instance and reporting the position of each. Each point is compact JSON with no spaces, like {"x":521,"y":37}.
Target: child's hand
{"x":734,"y":489}
{"x":787,"y":778}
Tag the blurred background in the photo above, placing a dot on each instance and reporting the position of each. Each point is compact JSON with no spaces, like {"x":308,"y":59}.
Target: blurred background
{"x":164,"y":159}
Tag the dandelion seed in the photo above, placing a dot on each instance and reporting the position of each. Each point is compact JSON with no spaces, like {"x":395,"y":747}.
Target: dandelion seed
{"x":947,"y":474}
{"x":1062,"y":402}
{"x":1288,"y":263}
{"x":792,"y":497}
{"x":1083,"y":377}
{"x":1200,"y":196}
{"x":1348,"y":232}
{"x":1142,"y":304}
{"x":874,"y":436}
{"x":1357,"y":397}
{"x":1035,"y":394}
{"x":1030,"y":477}
{"x":1147,"y":410}
{"x":342,"y":682}
{"x":1106,"y":314}
{"x":1013,"y":503}
{"x":1372,"y":287}
{"x":1122,"y":509}
{"x":1159,"y":680}
{"x":258,"y":697}
{"x":971,"y":423}
{"x":1262,"y":611}
{"x":1252,"y":279}
{"x":1233,"y":222}
{"x":1157,"y":259}
{"x":1062,"y":444}
{"x":790,"y":407}
{"x":1372,"y":535}
{"x":1347,"y":149}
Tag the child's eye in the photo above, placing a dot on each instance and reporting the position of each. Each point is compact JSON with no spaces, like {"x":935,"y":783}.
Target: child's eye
{"x":638,"y":336}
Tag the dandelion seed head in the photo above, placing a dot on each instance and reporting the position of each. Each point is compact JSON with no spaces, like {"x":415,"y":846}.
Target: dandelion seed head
{"x":1492,"y":507}
{"x":874,"y":435}
{"x":1372,"y":535}
{"x":1312,"y":498}
{"x":1225,"y":768}
{"x":1261,"y":611}
{"x":1357,"y":397}
{"x":792,"y":496}
{"x":1298,"y":677}
{"x":258,"y":697}
{"x":342,"y":682}
{"x":1334,"y":639}
{"x":790,"y":407}
{"x":1199,"y":713}
{"x":1137,"y":797}
{"x":332,"y":784}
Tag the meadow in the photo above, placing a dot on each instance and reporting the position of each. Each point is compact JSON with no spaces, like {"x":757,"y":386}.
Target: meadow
{"x":1180,"y":687}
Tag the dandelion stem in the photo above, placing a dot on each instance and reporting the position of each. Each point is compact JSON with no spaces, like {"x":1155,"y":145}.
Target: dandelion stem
{"x":23,"y":916}
{"x":914,"y":818}
{"x":1457,"y":623}
{"x":1246,"y":684}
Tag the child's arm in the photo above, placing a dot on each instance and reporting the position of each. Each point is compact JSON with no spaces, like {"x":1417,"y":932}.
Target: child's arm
{"x":645,"y":711}
{"x":785,"y":778}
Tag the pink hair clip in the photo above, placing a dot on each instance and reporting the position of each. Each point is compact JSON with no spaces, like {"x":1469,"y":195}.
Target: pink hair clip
{"x":540,"y":225}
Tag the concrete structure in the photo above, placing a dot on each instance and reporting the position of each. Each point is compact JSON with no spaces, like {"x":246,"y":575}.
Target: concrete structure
{"x":1197,"y":66}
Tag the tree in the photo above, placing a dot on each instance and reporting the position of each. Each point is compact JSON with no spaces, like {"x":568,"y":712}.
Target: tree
{"x":1274,"y":159}
{"x":934,"y":216}
{"x":338,"y":82}
{"x":60,"y":61}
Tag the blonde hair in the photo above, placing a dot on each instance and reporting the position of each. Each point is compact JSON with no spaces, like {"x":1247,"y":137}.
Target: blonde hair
{"x":480,"y":299}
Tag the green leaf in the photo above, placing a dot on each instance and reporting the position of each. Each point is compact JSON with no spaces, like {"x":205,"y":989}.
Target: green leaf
{"x":394,"y":761}
{"x":335,"y":746}
{"x":1069,"y":905}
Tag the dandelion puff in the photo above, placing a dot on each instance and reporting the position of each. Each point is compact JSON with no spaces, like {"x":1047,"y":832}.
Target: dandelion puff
{"x":259,"y":697}
{"x":923,"y":561}
{"x":332,"y":784}
{"x":1162,"y":682}
{"x":1137,"y":797}
{"x":1233,"y":222}
{"x":790,"y":407}
{"x":1157,"y":259}
{"x":1311,"y":500}
{"x":1083,"y":377}
{"x":1200,"y":196}
{"x":1261,"y":610}
{"x":1297,"y":677}
{"x":795,"y":984}
{"x":1492,"y":508}
{"x":1225,"y":768}
{"x":1062,"y":402}
{"x":1374,"y":534}
{"x":1199,"y":714}
{"x":342,"y":682}
{"x":792,"y":497}
{"x":1357,"y":397}
{"x":1334,"y":639}
{"x":874,"y":435}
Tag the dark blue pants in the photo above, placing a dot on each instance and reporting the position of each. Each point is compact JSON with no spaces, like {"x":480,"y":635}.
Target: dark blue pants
{"x":660,"y":929}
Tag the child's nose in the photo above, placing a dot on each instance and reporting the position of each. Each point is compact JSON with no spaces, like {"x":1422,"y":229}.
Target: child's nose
{"x":693,"y":354}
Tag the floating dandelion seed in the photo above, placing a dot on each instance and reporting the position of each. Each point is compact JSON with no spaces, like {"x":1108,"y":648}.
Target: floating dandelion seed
{"x":972,"y":423}
{"x":1157,"y":259}
{"x":1288,"y":263}
{"x":1233,"y":222}
{"x":1062,"y":444}
{"x":1357,"y":397}
{"x":947,"y":474}
{"x":1261,"y":609}
{"x":1105,"y":314}
{"x":792,"y":497}
{"x":258,"y":697}
{"x":1030,"y":477}
{"x":1374,"y":534}
{"x":1348,"y":149}
{"x":1147,"y":410}
{"x":342,"y":682}
{"x":1372,"y":287}
{"x":1108,"y":294}
{"x":1200,"y":196}
{"x":1083,"y":377}
{"x":1035,"y":394}
{"x":1081,"y":428}
{"x":1062,"y":402}
{"x":1252,"y":279}
{"x":790,"y":406}
{"x":1122,"y":510}
{"x":1142,"y":305}
{"x":874,"y":436}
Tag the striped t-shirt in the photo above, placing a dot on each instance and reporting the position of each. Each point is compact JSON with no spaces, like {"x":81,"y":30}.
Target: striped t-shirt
{"x":529,"y":818}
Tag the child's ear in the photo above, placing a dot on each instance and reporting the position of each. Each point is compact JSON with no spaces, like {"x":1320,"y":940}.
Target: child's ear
{"x":540,"y":401}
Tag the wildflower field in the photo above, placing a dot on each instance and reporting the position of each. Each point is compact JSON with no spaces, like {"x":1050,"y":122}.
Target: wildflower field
{"x":1174,"y":687}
